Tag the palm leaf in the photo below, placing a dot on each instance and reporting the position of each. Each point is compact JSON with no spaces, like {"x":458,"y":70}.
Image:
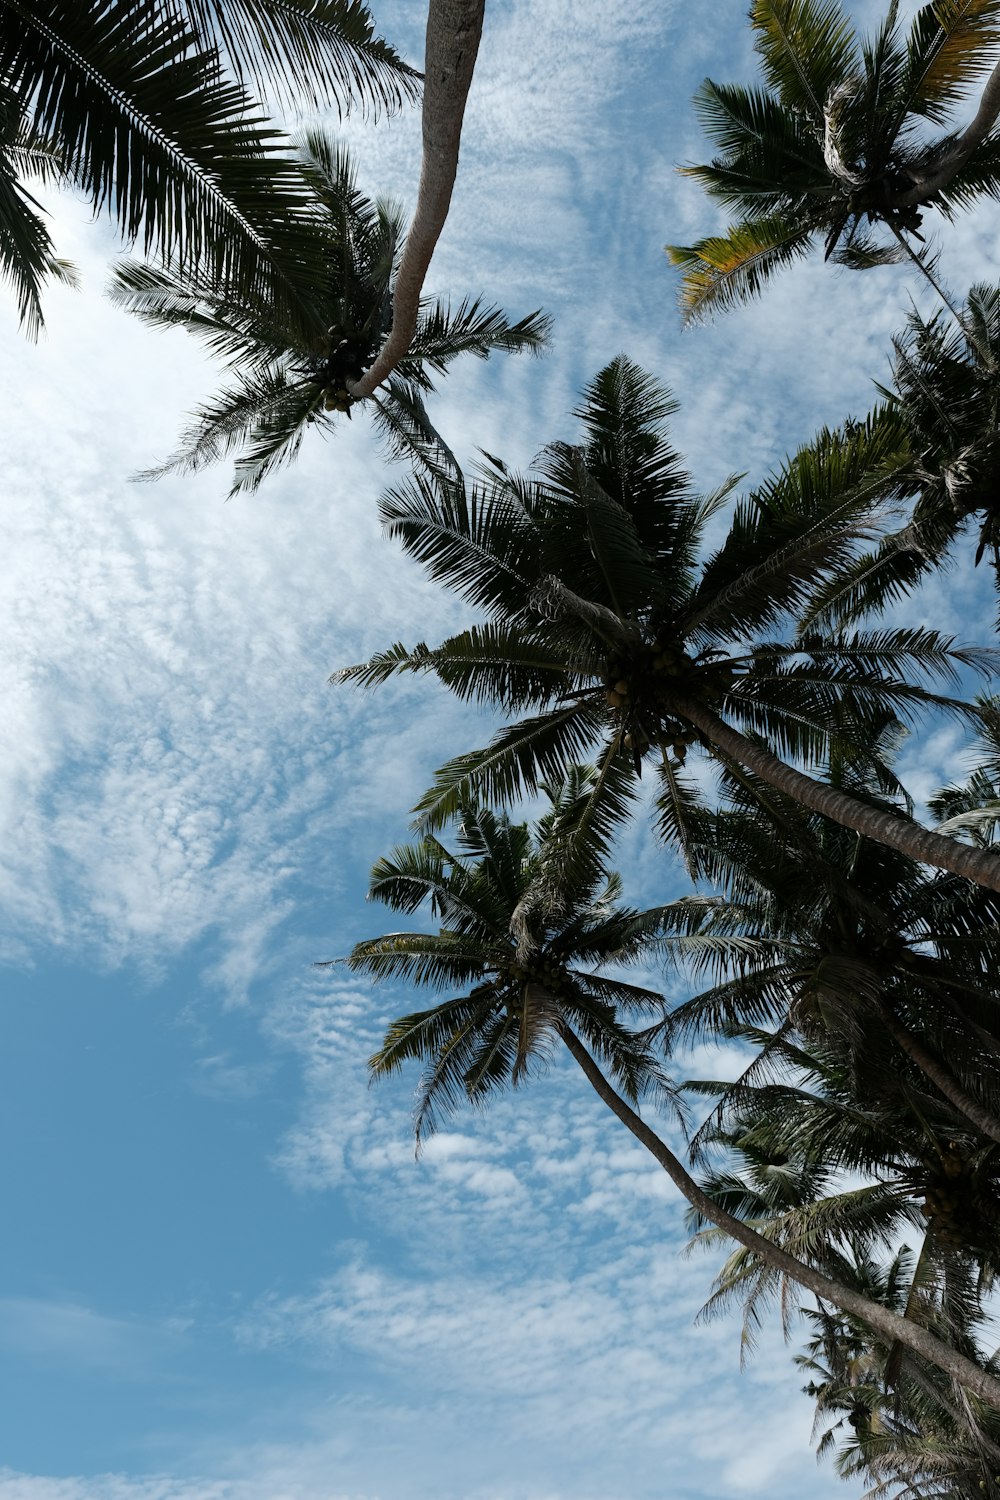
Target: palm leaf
{"x":947,"y":51}
{"x":724,"y":270}
{"x":308,"y":51}
{"x":520,"y":758}
{"x":152,"y":132}
{"x":807,"y":49}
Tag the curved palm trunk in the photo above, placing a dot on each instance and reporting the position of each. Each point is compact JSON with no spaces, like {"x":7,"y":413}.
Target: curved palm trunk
{"x":941,"y":173}
{"x":889,"y":1324}
{"x":941,"y":1077}
{"x":454,"y":28}
{"x":912,"y":839}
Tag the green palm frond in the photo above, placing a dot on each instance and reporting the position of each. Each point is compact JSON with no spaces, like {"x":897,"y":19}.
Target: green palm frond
{"x":477,"y":540}
{"x":402,"y":421}
{"x":312,"y":52}
{"x":489,"y":663}
{"x":419,"y":958}
{"x":242,"y":336}
{"x":807,"y":48}
{"x":947,"y":52}
{"x":677,"y":805}
{"x":153,"y":133}
{"x":27,"y":255}
{"x":801,"y":523}
{"x":263,"y":414}
{"x":473,"y":327}
{"x":517,"y":760}
{"x":767,"y":150}
{"x":722,"y":271}
{"x":574,"y":841}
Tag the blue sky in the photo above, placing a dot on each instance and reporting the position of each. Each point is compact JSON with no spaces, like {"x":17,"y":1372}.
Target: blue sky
{"x":223,"y":1276}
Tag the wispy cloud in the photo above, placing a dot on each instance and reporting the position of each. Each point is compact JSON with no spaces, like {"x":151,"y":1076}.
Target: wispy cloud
{"x":65,"y":1334}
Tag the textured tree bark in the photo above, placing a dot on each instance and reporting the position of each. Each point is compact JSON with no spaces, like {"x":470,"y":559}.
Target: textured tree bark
{"x":941,"y":172}
{"x":921,"y":844}
{"x":454,"y":28}
{"x":889,"y":1324}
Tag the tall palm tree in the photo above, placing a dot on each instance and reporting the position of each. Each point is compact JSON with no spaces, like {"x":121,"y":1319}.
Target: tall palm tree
{"x":608,"y":623}
{"x":288,"y":375}
{"x":525,"y":916}
{"x":897,"y":1425}
{"x":834,"y":145}
{"x":834,"y":935}
{"x":946,"y":394}
{"x":132,"y":102}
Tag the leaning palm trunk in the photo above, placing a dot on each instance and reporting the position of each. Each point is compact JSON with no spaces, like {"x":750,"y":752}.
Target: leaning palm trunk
{"x":889,"y":1324}
{"x":910,"y":838}
{"x":454,"y":28}
{"x":939,"y":173}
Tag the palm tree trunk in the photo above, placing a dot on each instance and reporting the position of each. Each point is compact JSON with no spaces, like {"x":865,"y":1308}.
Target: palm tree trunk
{"x":940,"y":173}
{"x":889,"y":1324}
{"x":941,"y":1077}
{"x":454,"y":28}
{"x":891,"y":829}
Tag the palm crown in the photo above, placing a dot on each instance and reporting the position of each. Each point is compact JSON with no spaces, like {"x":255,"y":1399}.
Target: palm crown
{"x":833,"y":935}
{"x":290,"y":374}
{"x":835,"y":142}
{"x":526,"y":915}
{"x":607,"y":622}
{"x":896,"y":1423}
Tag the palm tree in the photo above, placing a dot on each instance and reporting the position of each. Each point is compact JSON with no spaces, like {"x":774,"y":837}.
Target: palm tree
{"x":287,"y":376}
{"x":946,"y":393}
{"x":828,"y":1107}
{"x":525,"y":916}
{"x":608,"y":623}
{"x":526,"y":912}
{"x":132,"y":103}
{"x":834,"y":935}
{"x":834,"y":145}
{"x":898,"y":1426}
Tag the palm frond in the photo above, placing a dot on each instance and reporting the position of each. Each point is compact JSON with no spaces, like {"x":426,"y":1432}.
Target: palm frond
{"x":312,"y":52}
{"x":442,"y":334}
{"x":722,"y":271}
{"x":154,"y":133}
{"x":808,"y":50}
{"x":520,"y":758}
{"x":947,"y":50}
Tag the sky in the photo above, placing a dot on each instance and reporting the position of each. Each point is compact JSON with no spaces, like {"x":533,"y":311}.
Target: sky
{"x":223,"y":1274}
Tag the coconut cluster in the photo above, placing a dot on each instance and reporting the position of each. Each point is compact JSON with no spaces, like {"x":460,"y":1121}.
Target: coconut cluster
{"x":345,"y":357}
{"x":542,"y":970}
{"x":643,"y":685}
